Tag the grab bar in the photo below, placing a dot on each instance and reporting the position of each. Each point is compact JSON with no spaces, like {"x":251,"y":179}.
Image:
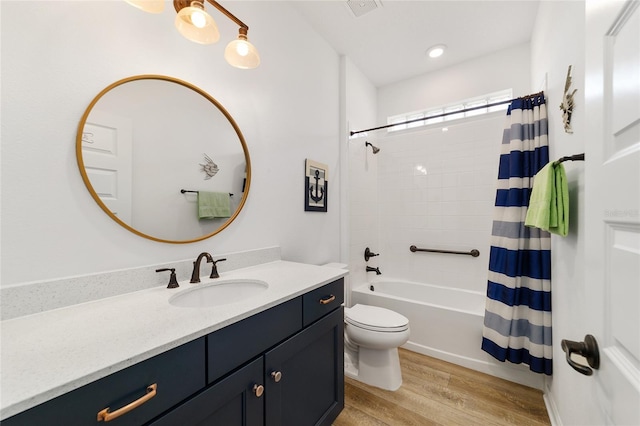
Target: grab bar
{"x":473,"y":253}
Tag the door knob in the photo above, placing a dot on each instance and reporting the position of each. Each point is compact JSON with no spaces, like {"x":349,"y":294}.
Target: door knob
{"x":587,"y":349}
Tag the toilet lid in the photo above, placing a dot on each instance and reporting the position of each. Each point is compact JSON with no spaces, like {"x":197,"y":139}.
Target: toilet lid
{"x":375,"y":318}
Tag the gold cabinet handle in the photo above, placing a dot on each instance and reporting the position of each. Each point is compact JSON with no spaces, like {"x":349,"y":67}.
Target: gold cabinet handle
{"x":258,"y":390}
{"x":327,"y":300}
{"x":105,"y":415}
{"x":276,"y":376}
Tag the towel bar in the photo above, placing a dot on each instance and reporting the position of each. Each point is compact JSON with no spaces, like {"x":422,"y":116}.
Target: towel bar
{"x":182,"y":191}
{"x":577,"y":157}
{"x":473,"y":253}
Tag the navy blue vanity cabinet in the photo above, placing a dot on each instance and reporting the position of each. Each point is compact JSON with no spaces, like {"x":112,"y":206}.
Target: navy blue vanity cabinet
{"x":321,"y":301}
{"x":271,"y":370}
{"x":234,"y":345}
{"x":304,"y":376}
{"x":235,"y":400}
{"x":283,"y":366}
{"x":177,"y":374}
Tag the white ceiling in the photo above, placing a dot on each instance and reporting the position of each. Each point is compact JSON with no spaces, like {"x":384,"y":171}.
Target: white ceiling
{"x":389,"y":43}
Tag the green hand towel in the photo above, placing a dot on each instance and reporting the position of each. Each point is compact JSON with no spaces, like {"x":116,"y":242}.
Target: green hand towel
{"x":562,"y":202}
{"x":213,"y":204}
{"x":549,"y":202}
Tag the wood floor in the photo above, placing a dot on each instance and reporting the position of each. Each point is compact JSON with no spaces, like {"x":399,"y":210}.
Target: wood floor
{"x":436,"y":392}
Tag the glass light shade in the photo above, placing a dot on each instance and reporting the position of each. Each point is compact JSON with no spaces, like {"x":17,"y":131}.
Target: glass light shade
{"x":151,"y":6}
{"x":195,"y":24}
{"x":242,"y":54}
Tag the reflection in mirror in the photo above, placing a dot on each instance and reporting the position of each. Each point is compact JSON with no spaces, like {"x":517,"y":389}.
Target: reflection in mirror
{"x":146,"y":138}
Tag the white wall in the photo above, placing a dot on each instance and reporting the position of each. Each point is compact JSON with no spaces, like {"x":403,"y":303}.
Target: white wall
{"x":553,"y":48}
{"x":56,"y":56}
{"x":362,"y":201}
{"x":491,"y":73}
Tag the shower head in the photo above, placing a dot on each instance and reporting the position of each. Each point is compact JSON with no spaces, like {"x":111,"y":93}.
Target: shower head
{"x":374,"y":148}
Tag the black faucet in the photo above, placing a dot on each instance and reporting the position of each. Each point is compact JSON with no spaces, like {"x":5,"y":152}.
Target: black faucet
{"x":214,"y":269}
{"x":376,"y":270}
{"x":195,"y":275}
{"x":173,"y":281}
{"x":368,"y":254}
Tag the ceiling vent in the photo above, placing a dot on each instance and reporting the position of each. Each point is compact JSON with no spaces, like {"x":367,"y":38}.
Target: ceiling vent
{"x":360,"y":7}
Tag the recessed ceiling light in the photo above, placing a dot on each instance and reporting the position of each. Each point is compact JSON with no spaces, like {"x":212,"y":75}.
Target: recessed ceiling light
{"x":436,"y":51}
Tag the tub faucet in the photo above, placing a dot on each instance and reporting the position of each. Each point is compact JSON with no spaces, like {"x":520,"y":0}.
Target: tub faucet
{"x":376,"y":270}
{"x":195,"y":275}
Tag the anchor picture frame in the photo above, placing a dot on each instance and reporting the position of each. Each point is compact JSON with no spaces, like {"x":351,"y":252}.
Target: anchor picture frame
{"x":316,"y":184}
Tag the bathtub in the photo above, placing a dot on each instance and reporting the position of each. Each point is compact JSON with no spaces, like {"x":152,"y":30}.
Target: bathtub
{"x":445,"y":323}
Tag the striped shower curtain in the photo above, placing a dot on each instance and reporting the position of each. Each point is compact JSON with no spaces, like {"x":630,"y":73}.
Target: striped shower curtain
{"x":517,"y":320}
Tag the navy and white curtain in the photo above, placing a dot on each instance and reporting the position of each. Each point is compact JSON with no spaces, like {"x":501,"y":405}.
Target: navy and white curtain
{"x":517,"y":321}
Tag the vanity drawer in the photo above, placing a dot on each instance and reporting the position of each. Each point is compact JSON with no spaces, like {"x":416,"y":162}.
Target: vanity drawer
{"x":177,"y":373}
{"x":232,"y":346}
{"x":321,"y":301}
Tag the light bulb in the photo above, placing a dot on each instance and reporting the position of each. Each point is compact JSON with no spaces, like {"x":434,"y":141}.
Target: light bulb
{"x":198,"y":19}
{"x":242,"y":49}
{"x":240,"y":53}
{"x":194,"y":23}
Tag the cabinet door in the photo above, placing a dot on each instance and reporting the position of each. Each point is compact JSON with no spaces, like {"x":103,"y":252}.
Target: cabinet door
{"x":233,"y":401}
{"x":238,"y":343}
{"x":311,"y":366}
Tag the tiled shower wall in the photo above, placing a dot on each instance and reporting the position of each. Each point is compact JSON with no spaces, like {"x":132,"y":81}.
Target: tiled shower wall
{"x":363,"y":208}
{"x":435,"y":189}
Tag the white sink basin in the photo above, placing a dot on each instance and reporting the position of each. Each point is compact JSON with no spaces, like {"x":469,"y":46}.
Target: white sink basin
{"x":218,"y":293}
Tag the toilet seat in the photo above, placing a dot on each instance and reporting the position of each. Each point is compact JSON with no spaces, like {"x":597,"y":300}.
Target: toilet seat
{"x":375,"y":318}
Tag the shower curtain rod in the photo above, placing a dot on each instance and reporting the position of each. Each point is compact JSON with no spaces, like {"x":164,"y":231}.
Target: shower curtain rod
{"x":533,"y":95}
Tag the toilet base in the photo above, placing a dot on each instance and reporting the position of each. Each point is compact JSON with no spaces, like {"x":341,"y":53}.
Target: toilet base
{"x":375,"y":367}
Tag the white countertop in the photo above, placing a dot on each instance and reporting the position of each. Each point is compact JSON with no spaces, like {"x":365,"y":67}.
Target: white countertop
{"x":48,"y":354}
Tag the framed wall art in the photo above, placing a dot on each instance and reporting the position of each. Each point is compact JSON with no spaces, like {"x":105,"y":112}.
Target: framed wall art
{"x":316,"y":185}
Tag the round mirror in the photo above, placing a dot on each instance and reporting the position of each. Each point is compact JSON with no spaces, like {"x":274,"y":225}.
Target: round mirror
{"x":163,"y":159}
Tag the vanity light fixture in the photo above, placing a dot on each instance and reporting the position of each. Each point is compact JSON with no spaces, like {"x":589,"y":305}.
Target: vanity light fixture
{"x":195,"y":24}
{"x":436,"y":51}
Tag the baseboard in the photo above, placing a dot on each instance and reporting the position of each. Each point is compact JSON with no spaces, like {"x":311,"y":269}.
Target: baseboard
{"x":552,"y":409}
{"x":514,"y":373}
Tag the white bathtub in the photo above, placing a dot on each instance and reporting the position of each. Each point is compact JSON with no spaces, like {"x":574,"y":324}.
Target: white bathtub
{"x":445,"y":323}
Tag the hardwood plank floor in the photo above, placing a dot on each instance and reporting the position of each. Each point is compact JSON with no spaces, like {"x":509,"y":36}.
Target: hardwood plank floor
{"x":436,"y":392}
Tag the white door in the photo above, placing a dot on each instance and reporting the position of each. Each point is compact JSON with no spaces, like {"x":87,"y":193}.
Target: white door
{"x":106,"y":153}
{"x":612,"y":199}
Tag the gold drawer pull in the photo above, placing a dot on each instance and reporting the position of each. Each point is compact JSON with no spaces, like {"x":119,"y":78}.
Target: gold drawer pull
{"x":107,"y":416}
{"x":327,"y":300}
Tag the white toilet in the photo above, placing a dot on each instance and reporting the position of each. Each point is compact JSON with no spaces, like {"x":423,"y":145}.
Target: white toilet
{"x":372,"y":336}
